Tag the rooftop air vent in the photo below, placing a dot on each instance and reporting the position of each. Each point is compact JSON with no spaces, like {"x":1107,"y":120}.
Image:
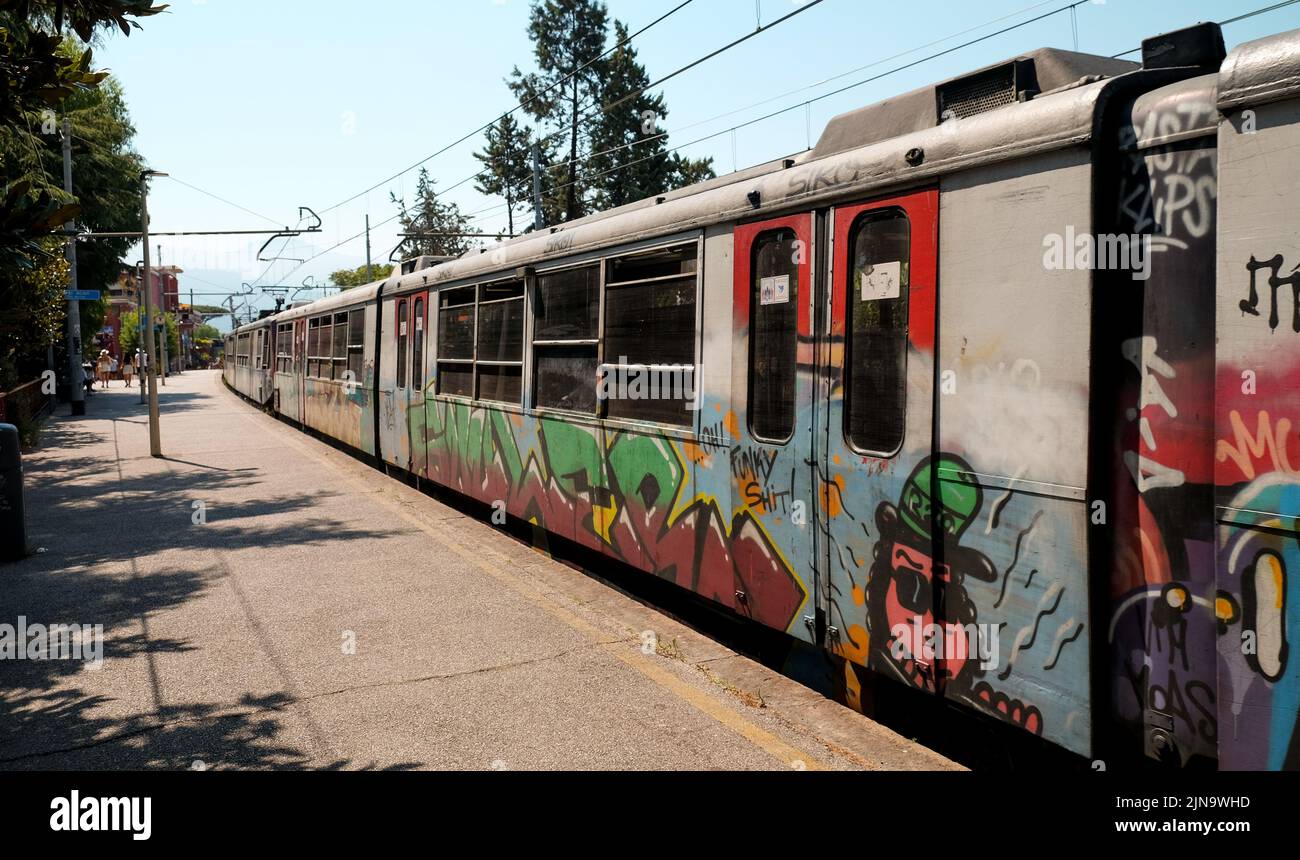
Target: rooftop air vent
{"x":986,"y":90}
{"x":1198,"y":45}
{"x":424,"y":261}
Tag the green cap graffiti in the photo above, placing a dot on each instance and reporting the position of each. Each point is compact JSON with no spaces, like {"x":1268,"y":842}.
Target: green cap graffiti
{"x":959,"y":496}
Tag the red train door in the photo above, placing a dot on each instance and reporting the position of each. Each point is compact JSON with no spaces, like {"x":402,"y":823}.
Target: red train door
{"x":892,"y":506}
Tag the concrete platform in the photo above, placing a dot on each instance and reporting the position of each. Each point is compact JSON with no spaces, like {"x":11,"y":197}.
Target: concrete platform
{"x":322,"y":615}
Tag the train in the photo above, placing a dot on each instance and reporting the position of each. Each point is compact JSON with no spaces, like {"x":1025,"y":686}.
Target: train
{"x":989,"y":394}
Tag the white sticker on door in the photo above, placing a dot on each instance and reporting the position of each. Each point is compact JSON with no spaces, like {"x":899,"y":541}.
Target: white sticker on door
{"x":881,"y":281}
{"x":774,"y":290}
{"x":401,"y":327}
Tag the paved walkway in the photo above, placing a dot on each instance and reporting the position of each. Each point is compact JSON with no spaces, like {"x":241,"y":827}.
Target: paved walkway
{"x":269,"y":602}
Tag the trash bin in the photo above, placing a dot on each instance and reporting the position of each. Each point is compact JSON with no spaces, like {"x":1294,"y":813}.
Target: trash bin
{"x":13,"y":527}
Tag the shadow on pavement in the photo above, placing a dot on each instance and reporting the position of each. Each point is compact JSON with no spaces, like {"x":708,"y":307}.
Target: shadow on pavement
{"x":98,"y":524}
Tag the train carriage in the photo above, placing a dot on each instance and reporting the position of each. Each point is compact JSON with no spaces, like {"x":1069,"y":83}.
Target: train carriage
{"x":325,"y":366}
{"x":940,"y":395}
{"x":248,"y":361}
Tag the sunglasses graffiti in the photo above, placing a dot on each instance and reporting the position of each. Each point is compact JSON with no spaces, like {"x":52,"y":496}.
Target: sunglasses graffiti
{"x":923,"y":623}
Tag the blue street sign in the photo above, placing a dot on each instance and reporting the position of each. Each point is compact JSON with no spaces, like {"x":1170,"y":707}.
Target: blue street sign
{"x":81,"y":295}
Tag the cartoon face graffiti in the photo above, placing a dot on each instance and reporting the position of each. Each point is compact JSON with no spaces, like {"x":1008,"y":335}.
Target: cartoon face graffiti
{"x":921,"y":619}
{"x":908,"y":586}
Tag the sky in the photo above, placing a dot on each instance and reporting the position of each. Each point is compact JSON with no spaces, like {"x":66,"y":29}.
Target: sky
{"x":276,"y":104}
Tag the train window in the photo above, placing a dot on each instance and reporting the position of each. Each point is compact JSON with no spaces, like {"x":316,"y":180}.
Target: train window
{"x":357,"y":344}
{"x":875,"y":389}
{"x":499,"y":343}
{"x":266,"y":348}
{"x":324,"y":346}
{"x":283,"y":347}
{"x":417,"y":347}
{"x":773,"y":335}
{"x":320,"y":358}
{"x":566,"y":378}
{"x":649,"y":366}
{"x":456,"y":319}
{"x":401,"y":344}
{"x":339,"y":350}
{"x":565,"y":339}
{"x":313,"y":342}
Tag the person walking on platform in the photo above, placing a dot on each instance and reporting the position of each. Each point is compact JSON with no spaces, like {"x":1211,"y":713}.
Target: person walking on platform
{"x":103,"y":367}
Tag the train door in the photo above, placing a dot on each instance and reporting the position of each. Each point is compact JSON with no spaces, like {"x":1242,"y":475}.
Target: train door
{"x":409,"y":342}
{"x":416,"y":377}
{"x":891,"y":506}
{"x":772,"y":467}
{"x":300,"y":366}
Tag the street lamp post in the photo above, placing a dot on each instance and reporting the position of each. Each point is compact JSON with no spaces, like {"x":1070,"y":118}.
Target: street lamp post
{"x":139,"y":324}
{"x":155,"y":440}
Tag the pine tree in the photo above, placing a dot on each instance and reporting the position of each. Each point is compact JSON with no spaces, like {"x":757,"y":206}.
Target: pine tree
{"x":508,"y":169}
{"x":630,"y":147}
{"x":431,"y":215}
{"x":566,"y":36}
{"x":629,"y":159}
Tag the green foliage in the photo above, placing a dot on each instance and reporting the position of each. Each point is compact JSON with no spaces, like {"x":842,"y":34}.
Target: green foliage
{"x":34,"y":310}
{"x":129,"y":336}
{"x":349,"y":278}
{"x":508,"y":169}
{"x":47,"y":77}
{"x":431,"y":215}
{"x":42,"y":71}
{"x":603,"y":119}
{"x":105,"y":178}
{"x":566,"y":34}
{"x":630,"y":159}
{"x":206,"y":332}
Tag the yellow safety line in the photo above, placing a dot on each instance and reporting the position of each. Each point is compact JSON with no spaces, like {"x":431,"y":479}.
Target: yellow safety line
{"x":763,"y":739}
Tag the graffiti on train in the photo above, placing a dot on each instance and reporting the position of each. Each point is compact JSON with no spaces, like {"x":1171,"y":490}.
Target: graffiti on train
{"x":1258,"y":611}
{"x":906,"y":586}
{"x":997,"y":635}
{"x":1257,"y":545}
{"x":1274,"y":265}
{"x":626,"y":494}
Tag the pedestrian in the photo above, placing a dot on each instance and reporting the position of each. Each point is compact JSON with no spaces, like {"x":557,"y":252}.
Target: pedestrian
{"x":128,"y":370}
{"x":103,"y":366}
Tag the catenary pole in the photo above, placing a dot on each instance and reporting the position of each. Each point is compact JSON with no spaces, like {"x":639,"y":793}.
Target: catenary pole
{"x":155,"y":436}
{"x":77,"y":395}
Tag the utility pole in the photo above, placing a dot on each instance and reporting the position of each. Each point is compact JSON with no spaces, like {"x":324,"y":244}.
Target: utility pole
{"x":367,"y":247}
{"x":77,"y":396}
{"x":141,"y":286}
{"x":537,"y":186}
{"x":155,"y":440}
{"x":162,"y":315}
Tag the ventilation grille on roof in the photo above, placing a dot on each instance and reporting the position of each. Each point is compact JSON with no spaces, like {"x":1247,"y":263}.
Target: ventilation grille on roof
{"x":984,"y":91}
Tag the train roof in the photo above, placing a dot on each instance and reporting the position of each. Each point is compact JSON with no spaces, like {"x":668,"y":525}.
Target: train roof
{"x":905,"y":140}
{"x":1035,"y":102}
{"x":342,"y":299}
{"x":1265,"y":70}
